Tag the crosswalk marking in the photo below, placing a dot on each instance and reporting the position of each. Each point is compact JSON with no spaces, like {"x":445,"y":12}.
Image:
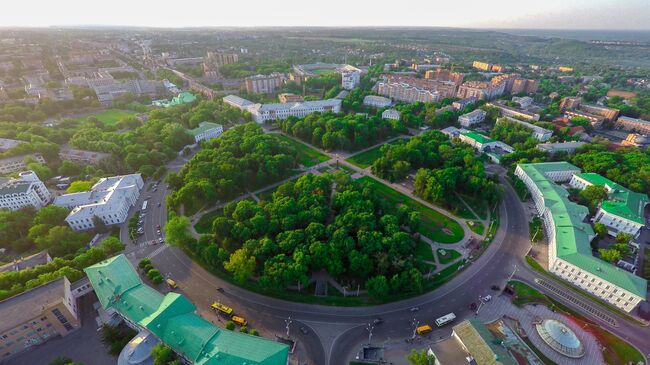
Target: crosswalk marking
{"x":157,"y":251}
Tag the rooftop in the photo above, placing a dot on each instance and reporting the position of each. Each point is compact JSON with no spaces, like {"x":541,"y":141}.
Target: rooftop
{"x":31,"y":303}
{"x":573,"y":236}
{"x":203,"y":127}
{"x":481,"y":344}
{"x":172,"y":319}
{"x":478,"y":137}
{"x":620,"y":200}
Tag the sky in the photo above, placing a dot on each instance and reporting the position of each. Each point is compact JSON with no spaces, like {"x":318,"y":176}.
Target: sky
{"x":543,"y":14}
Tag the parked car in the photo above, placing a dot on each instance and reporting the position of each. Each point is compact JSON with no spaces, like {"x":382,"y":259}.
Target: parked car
{"x":414,"y":309}
{"x":495,"y":287}
{"x":160,"y":240}
{"x":377,"y":321}
{"x":487,"y":298}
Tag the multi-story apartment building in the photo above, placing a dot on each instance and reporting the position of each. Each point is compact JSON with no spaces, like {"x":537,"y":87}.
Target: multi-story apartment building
{"x":569,"y":103}
{"x":407,"y":93}
{"x":622,"y":211}
{"x":264,"y":84}
{"x":636,"y":140}
{"x":442,"y":74}
{"x":570,"y":255}
{"x":290,"y":98}
{"x":206,"y":131}
{"x":81,"y":157}
{"x":350,"y":77}
{"x":376,"y":101}
{"x":595,"y":120}
{"x":221,"y":58}
{"x":109,"y":200}
{"x":633,"y":124}
{"x":17,"y":163}
{"x":471,"y":118}
{"x":26,"y":190}
{"x":264,"y":112}
{"x":480,"y":90}
{"x":607,"y":113}
{"x":524,"y":101}
{"x":36,"y":316}
{"x":486,"y":66}
{"x":573,"y":107}
{"x":173,"y":320}
{"x":106,"y":93}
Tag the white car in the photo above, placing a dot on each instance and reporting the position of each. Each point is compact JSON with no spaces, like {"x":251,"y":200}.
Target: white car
{"x":487,"y":298}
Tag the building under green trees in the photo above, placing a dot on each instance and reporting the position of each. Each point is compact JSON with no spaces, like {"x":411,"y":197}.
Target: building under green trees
{"x":185,"y":97}
{"x":173,"y":320}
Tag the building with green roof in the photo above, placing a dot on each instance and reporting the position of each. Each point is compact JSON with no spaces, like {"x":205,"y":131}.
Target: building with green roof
{"x":477,"y":340}
{"x":185,"y":97}
{"x":173,"y":320}
{"x":569,"y":236}
{"x":484,"y":144}
{"x":622,"y":211}
{"x":206,"y":131}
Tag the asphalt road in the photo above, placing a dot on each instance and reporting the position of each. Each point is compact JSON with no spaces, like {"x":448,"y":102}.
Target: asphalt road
{"x":335,"y":334}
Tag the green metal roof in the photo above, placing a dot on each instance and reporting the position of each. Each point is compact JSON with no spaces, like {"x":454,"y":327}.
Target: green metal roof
{"x":572,"y":234}
{"x":203,"y":126}
{"x":621,"y":201}
{"x":478,"y":137}
{"x":183,"y":98}
{"x":173,"y":320}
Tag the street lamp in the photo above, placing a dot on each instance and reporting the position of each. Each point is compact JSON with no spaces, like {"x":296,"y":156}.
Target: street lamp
{"x":288,"y":322}
{"x":416,"y":323}
{"x":369,"y":328}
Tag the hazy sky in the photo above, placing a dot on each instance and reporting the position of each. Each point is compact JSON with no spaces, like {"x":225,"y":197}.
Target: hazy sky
{"x":564,"y":14}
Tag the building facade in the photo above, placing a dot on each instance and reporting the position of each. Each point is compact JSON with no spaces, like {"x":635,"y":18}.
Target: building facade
{"x":26,"y":190}
{"x":376,"y":101}
{"x":350,"y":78}
{"x":81,"y":157}
{"x":471,"y":118}
{"x":264,"y":84}
{"x":539,"y":133}
{"x":622,"y":211}
{"x":36,"y":316}
{"x":633,"y":124}
{"x":17,"y":163}
{"x":290,"y":98}
{"x":206,"y":131}
{"x":108,"y":200}
{"x":570,"y":255}
{"x":263,"y":112}
{"x":390,"y":114}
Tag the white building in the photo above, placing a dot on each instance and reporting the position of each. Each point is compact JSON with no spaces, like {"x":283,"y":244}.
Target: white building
{"x":109,"y":200}
{"x":350,"y":78}
{"x":524,"y":101}
{"x":17,"y":163}
{"x":483,"y":144}
{"x":376,"y":101}
{"x":390,"y":114}
{"x":26,"y":190}
{"x":570,"y":255}
{"x":471,"y":118}
{"x":622,"y":211}
{"x":462,"y":103}
{"x":206,"y":131}
{"x":552,"y":148}
{"x":264,"y":112}
{"x":237,"y":102}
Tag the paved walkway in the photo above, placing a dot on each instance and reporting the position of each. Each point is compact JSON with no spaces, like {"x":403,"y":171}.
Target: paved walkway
{"x":500,"y":306}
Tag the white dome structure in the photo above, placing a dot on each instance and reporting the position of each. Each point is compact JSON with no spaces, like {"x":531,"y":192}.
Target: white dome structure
{"x":561,"y":338}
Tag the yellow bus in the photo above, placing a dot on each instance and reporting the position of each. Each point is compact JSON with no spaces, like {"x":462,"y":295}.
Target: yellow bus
{"x":423,"y":329}
{"x":222,"y":308}
{"x":239,"y":320}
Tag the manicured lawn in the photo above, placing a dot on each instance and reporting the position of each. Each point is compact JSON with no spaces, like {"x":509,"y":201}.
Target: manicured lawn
{"x":111,"y":116}
{"x":423,"y":251}
{"x":306,"y":156}
{"x":433,"y":225}
{"x":525,"y":294}
{"x":366,"y":159}
{"x":479,"y":206}
{"x":476,"y":227}
{"x":204,"y":224}
{"x":324,"y":72}
{"x":448,"y":256}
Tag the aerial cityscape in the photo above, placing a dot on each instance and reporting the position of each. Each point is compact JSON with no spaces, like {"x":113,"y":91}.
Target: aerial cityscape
{"x":287,"y":187}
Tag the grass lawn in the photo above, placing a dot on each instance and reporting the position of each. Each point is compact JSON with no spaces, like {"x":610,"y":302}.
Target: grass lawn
{"x":479,"y":206}
{"x":204,"y":224}
{"x":111,"y":116}
{"x":435,"y":225}
{"x":449,"y":255}
{"x":476,"y":227}
{"x":525,"y":294}
{"x":324,"y":72}
{"x":443,"y":276}
{"x":366,"y":159}
{"x":535,"y":230}
{"x":306,"y":156}
{"x":423,"y":251}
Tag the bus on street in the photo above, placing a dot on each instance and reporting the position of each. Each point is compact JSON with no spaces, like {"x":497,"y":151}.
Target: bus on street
{"x":445,"y":319}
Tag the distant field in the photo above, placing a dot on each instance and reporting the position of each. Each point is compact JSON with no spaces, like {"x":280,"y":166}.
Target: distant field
{"x":434,"y":225}
{"x":324,"y":72}
{"x":366,"y":159}
{"x":111,"y":116}
{"x":306,"y":156}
